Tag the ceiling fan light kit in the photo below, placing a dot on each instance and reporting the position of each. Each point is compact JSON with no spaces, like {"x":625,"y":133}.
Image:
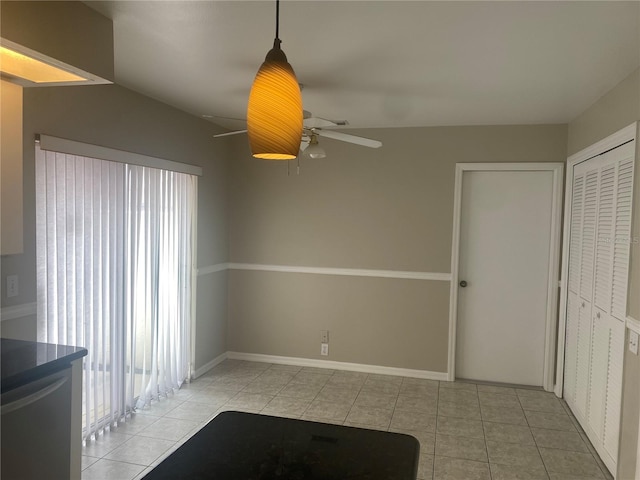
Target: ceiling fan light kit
{"x":274,"y":112}
{"x":314,"y":150}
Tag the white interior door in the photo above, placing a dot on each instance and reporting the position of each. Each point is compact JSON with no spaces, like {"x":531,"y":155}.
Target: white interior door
{"x":505,"y":242}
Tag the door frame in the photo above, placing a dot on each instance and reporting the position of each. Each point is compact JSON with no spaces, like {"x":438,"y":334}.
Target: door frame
{"x":557,"y":169}
{"x":614,"y":140}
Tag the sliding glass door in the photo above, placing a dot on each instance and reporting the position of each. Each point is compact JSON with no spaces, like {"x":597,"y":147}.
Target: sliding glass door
{"x":115,"y":263}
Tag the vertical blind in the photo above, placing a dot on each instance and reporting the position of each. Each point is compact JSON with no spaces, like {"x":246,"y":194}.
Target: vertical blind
{"x":115,"y":269}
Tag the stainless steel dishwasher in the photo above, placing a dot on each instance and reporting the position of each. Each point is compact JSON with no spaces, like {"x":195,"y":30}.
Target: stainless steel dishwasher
{"x":36,"y":428}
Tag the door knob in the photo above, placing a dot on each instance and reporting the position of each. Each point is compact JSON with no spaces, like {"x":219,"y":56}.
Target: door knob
{"x":463,"y":283}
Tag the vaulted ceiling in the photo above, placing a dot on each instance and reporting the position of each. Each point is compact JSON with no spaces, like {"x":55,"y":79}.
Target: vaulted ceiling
{"x":382,"y":63}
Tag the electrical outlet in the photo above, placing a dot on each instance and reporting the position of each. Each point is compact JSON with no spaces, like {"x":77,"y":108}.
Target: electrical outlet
{"x":324,"y":336}
{"x":633,"y":342}
{"x":12,"y":285}
{"x":324,"y":349}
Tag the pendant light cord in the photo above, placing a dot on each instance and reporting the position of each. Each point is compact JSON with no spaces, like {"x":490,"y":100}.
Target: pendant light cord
{"x":277,"y":19}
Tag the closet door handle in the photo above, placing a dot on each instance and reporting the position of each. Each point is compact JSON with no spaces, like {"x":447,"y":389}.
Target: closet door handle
{"x":463,"y":283}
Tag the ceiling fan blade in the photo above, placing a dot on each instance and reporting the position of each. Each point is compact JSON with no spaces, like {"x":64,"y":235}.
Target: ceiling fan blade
{"x":319,"y":122}
{"x":345,"y":137}
{"x":229,"y":133}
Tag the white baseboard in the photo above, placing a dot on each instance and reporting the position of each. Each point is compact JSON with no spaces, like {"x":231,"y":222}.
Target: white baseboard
{"x":356,"y":367}
{"x":208,"y":366}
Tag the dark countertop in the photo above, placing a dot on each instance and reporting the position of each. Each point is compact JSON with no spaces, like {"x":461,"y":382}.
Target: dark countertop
{"x":246,"y":446}
{"x":22,"y":362}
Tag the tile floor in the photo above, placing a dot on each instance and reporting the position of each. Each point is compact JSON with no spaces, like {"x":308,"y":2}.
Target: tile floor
{"x":467,"y":431}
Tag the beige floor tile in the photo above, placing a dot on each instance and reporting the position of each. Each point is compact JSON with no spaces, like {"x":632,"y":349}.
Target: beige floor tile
{"x":447,"y":468}
{"x":541,"y":404}
{"x":524,"y":456}
{"x":458,"y":385}
{"x":104,"y":444}
{"x":460,"y":427}
{"x":338,"y":393}
{"x":135,"y":423}
{"x":413,"y":420}
{"x":461,"y":447}
{"x":419,"y":388}
{"x":289,"y":406}
{"x":558,"y":439}
{"x":196,"y":412}
{"x":140,"y":450}
{"x":510,"y":472}
{"x":498,"y":400}
{"x":375,"y":417}
{"x":328,"y":410}
{"x":496,"y":389}
{"x":169,"y":429}
{"x":318,"y":370}
{"x":383,"y":388}
{"x":376,"y":400}
{"x":264,"y":387}
{"x":252,"y":401}
{"x":212,"y":396}
{"x":512,"y":415}
{"x":109,"y":470}
{"x":460,"y":410}
{"x":382,"y":402}
{"x":300,"y":390}
{"x":551,"y":421}
{"x":426,"y":439}
{"x":572,"y":463}
{"x":88,"y":461}
{"x":507,"y":433}
{"x":417,"y":404}
{"x":425,"y":467}
{"x":452,"y":395}
{"x":310,"y":378}
{"x":375,"y":378}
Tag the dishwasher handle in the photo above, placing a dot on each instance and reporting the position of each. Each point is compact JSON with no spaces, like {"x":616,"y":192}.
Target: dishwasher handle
{"x":32,"y":398}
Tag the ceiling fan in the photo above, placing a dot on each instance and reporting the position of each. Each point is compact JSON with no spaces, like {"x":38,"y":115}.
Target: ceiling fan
{"x":314,"y":127}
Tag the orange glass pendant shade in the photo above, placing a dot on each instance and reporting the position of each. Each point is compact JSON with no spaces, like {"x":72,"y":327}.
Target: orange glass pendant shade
{"x":274,"y":113}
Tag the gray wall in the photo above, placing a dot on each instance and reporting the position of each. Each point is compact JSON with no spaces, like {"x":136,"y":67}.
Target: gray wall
{"x":615,"y":110}
{"x":384,"y":209}
{"x":115,"y":117}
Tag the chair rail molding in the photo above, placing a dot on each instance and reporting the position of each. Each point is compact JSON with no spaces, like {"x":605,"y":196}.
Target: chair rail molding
{"x":18,"y":311}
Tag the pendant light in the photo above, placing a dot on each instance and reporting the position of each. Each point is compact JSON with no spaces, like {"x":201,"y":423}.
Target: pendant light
{"x":274,"y":112}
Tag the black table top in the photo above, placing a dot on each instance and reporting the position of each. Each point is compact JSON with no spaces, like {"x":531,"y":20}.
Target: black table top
{"x":22,"y":362}
{"x":247,"y":446}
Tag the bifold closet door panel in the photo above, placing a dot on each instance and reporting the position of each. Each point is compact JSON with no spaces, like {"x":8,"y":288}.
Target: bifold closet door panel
{"x":601,"y":212}
{"x":573,"y":300}
{"x":624,"y":158}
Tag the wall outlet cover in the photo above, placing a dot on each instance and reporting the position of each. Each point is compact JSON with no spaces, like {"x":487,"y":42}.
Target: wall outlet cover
{"x":633,"y":342}
{"x":12,"y":286}
{"x":324,"y":349}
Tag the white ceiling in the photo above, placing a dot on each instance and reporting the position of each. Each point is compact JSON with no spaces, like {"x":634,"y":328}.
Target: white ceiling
{"x":382,"y":63}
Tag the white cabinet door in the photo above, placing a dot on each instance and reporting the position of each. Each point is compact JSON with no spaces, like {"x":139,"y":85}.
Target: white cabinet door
{"x":597,"y":294}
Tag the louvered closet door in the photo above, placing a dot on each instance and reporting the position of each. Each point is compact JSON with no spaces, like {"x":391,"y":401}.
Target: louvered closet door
{"x":573,"y":303}
{"x":587,"y":254}
{"x":624,"y":162}
{"x":597,"y":295}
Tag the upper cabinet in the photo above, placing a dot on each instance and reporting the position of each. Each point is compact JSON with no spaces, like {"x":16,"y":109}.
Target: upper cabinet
{"x":42,"y":44}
